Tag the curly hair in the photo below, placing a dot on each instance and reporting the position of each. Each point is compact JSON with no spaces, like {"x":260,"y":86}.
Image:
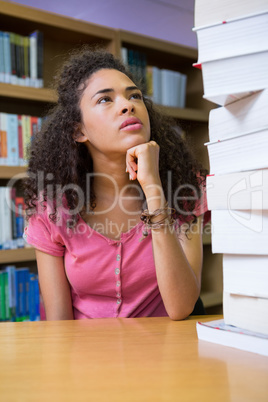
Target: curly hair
{"x":54,"y":150}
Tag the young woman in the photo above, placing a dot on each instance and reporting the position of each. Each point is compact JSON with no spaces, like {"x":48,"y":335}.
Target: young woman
{"x":114,"y":200}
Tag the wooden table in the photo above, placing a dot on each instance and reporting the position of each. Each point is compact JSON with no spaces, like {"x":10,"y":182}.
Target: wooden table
{"x":133,"y":359}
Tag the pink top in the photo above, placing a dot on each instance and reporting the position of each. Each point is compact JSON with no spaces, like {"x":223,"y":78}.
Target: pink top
{"x":108,"y":278}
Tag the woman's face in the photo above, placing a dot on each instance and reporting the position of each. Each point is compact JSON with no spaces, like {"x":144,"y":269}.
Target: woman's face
{"x":114,"y":116}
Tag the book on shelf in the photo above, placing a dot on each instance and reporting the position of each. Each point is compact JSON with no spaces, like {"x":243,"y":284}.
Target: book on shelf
{"x":12,"y":219}
{"x":243,"y":152}
{"x":244,"y":116}
{"x":209,"y":12}
{"x":247,"y":312}
{"x":165,"y":87}
{"x":245,"y":274}
{"x":16,"y":132}
{"x":19,"y":294}
{"x":217,"y":41}
{"x":219,"y":332}
{"x":241,"y":190}
{"x":21,"y":58}
{"x":239,"y":231}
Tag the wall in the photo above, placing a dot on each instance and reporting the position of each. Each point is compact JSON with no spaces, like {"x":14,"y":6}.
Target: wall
{"x":170,"y":20}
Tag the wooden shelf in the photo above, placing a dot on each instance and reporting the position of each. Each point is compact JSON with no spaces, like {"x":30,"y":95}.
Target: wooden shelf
{"x":185,"y":114}
{"x":7,"y":172}
{"x":17,"y":255}
{"x":27,"y":93}
{"x":144,"y":41}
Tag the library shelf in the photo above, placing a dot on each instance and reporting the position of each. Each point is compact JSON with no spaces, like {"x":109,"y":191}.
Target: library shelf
{"x":17,"y":255}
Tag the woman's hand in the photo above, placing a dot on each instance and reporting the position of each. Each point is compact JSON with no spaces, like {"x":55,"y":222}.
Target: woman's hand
{"x":142,"y":163}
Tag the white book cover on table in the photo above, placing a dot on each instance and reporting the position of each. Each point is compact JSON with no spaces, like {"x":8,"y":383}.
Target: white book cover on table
{"x":219,"y":332}
{"x":245,"y":274}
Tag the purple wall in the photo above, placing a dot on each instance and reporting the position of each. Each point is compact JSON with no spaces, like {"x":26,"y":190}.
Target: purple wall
{"x":170,"y":20}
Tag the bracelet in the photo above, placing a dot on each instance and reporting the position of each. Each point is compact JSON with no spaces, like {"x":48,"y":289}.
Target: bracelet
{"x":146,"y":218}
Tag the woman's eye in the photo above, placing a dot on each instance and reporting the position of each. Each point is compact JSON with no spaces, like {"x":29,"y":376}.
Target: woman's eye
{"x":104,"y":99}
{"x":136,"y":96}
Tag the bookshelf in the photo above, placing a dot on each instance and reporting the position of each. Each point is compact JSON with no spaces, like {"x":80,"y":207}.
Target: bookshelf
{"x":62,"y":34}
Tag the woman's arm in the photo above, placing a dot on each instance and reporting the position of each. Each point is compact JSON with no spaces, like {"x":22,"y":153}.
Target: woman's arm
{"x":178,"y":262}
{"x":54,"y":287}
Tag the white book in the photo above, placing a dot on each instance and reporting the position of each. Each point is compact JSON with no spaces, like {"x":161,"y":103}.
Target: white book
{"x":183,"y":85}
{"x":242,"y":190}
{"x":233,"y":78}
{"x":124,"y":56}
{"x":209,"y":12}
{"x":239,"y":153}
{"x":5,"y":215}
{"x":12,"y":140}
{"x":247,"y":312}
{"x":227,"y":335}
{"x":244,"y":116}
{"x":239,"y":232}
{"x":245,"y":274}
{"x":235,"y":38}
{"x":157,"y":86}
{"x":33,"y":60}
{"x":166,"y":87}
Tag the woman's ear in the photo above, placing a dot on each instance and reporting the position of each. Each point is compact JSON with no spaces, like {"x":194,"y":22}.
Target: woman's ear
{"x":79,"y":136}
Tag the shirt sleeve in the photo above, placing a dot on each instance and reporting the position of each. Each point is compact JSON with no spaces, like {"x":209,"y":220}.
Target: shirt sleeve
{"x":44,"y":235}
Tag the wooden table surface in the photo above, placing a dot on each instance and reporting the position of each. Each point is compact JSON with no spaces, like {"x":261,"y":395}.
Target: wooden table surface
{"x":130,"y":359}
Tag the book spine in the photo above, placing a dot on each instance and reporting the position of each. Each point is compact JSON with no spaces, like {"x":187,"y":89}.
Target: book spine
{"x":2,"y":65}
{"x":2,"y":297}
{"x":11,"y":291}
{"x":7,"y":57}
{"x":14,"y":78}
{"x":12,"y":137}
{"x":33,"y":59}
{"x":19,"y":202}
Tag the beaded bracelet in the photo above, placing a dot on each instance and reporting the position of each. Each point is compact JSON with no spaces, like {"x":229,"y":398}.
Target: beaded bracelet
{"x":147,"y":217}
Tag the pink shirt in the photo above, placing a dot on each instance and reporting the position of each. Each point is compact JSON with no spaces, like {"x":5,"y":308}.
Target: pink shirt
{"x":108,"y":278}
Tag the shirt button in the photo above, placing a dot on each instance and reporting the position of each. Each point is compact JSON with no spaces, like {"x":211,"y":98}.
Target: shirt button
{"x":118,"y":294}
{"x":118,"y":283}
{"x":118,"y":301}
{"x":118,"y":257}
{"x":117,"y":271}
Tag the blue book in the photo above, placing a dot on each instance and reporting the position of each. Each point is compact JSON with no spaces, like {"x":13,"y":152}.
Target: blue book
{"x":7,"y":57}
{"x":19,"y":286}
{"x":2,"y":66}
{"x":34,"y":298}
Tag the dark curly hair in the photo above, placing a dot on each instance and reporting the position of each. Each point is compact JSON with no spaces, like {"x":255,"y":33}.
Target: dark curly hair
{"x":54,"y":150}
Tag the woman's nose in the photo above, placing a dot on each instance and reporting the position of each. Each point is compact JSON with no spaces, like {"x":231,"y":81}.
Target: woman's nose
{"x":127,"y":107}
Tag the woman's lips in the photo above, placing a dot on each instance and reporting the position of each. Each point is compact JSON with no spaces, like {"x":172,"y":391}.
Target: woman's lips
{"x":131,"y":124}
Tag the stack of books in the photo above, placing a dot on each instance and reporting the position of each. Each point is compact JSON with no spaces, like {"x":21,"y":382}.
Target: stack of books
{"x":233,"y":55}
